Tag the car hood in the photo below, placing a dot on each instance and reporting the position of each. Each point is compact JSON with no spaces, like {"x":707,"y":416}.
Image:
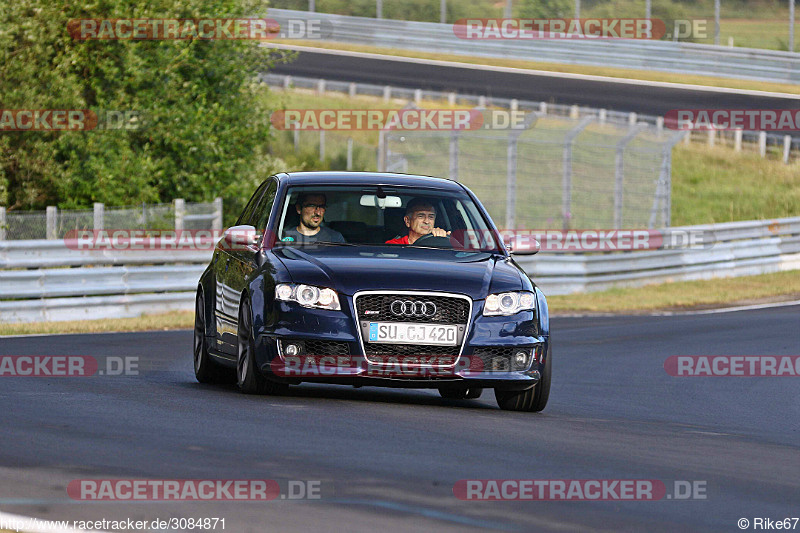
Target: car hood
{"x":350,"y":269}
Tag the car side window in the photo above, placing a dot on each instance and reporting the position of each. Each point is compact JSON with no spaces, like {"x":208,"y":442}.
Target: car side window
{"x":247,"y":213}
{"x":260,"y":215}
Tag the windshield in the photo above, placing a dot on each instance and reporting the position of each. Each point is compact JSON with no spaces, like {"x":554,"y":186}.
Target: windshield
{"x":391,"y":216}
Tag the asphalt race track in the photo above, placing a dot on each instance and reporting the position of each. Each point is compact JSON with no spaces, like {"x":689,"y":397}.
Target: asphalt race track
{"x":387,"y":459}
{"x":620,"y":96}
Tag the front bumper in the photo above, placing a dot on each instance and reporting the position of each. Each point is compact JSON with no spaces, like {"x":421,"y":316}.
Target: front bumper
{"x":349,"y":366}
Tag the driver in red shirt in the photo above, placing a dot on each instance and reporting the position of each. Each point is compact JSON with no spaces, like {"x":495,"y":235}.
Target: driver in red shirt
{"x":420,"y":220}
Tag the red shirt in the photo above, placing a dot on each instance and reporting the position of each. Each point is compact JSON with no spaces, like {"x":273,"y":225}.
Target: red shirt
{"x":401,"y":240}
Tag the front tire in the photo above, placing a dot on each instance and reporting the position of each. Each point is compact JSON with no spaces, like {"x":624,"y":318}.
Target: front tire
{"x":249,"y":378}
{"x":531,"y":400}
{"x":206,"y":370}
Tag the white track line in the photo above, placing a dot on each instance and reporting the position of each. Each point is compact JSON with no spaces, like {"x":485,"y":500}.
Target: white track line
{"x":513,"y":70}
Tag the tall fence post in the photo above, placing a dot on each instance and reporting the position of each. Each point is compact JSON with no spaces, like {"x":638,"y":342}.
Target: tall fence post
{"x":453,"y":155}
{"x":663,"y":193}
{"x":99,"y":216}
{"x":619,"y":172}
{"x":180,"y":212}
{"x":349,"y":153}
{"x":3,"y":223}
{"x":511,"y":169}
{"x":566,"y":179}
{"x":216,"y":222}
{"x":52,"y":214}
{"x":382,"y":151}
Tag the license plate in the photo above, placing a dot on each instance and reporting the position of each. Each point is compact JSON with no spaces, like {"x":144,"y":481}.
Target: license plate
{"x":412,"y":333}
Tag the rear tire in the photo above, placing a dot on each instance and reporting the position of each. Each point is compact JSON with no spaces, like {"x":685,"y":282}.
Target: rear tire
{"x":206,"y":370}
{"x":531,"y":400}
{"x":248,"y":377}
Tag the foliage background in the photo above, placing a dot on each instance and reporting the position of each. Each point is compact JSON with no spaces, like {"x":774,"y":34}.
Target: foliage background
{"x":207,"y":118}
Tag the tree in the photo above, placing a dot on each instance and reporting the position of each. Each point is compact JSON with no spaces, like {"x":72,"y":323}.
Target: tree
{"x":206,"y":118}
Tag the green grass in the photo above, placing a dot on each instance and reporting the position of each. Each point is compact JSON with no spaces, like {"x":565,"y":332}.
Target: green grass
{"x":683,"y":295}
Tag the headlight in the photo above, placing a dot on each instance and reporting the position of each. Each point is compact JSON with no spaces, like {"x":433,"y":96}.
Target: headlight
{"x":508,"y":303}
{"x":308,"y":296}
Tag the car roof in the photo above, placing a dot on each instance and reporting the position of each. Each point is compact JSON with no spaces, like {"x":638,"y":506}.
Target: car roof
{"x":368,"y":178}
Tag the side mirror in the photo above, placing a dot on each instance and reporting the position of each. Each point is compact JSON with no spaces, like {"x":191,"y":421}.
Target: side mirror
{"x":522,"y":245}
{"x":240,"y":238}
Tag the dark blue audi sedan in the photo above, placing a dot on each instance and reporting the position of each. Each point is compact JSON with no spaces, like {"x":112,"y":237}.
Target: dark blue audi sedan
{"x":372,"y":279}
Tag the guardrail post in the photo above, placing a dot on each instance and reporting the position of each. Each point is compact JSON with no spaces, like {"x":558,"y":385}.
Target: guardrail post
{"x":287,"y":82}
{"x":513,"y":105}
{"x":632,"y":119}
{"x":619,"y":172}
{"x":482,"y":101}
{"x":762,"y":143}
{"x":387,"y":93}
{"x":99,"y":215}
{"x":378,"y":9}
{"x":320,"y":87}
{"x":216,"y":222}
{"x":3,"y":223}
{"x":443,"y":12}
{"x":574,"y":112}
{"x":352,"y":90}
{"x":296,"y":140}
{"x":312,"y":5}
{"x":322,"y":145}
{"x":566,"y":179}
{"x":601,"y":116}
{"x":712,"y":137}
{"x":737,"y":140}
{"x":451,"y":99}
{"x":787,"y":147}
{"x":52,"y":214}
{"x":417,"y":96}
{"x":543,"y":107}
{"x":660,"y":125}
{"x":349,"y":153}
{"x":180,"y":212}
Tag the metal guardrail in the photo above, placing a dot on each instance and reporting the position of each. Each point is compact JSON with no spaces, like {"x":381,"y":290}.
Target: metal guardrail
{"x":98,"y":290}
{"x":665,"y":56}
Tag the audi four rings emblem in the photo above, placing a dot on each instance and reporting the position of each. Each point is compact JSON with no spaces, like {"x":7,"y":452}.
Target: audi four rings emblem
{"x":410,"y":308}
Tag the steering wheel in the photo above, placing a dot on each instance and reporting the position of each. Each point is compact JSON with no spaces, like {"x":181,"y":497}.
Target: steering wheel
{"x":433,"y":241}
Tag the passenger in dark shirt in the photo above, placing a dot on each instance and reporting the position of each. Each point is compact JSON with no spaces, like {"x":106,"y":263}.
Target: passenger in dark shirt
{"x":311,"y":208}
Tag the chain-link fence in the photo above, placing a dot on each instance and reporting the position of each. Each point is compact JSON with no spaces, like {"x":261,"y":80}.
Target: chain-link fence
{"x":56,"y":223}
{"x":557,"y":173}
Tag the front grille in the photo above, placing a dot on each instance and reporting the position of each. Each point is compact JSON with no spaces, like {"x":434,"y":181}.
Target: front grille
{"x":377,"y":308}
{"x":408,"y":350}
{"x":497,"y":359}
